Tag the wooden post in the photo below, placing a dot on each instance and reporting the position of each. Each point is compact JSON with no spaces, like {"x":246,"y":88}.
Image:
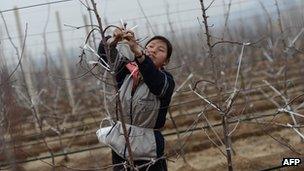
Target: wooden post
{"x":25,"y":61}
{"x":26,"y":70}
{"x":66,"y":71}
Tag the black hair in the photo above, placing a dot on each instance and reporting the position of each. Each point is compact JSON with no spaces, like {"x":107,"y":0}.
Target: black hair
{"x":162,"y":38}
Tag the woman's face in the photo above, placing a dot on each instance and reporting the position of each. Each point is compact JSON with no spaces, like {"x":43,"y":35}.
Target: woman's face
{"x":157,"y":51}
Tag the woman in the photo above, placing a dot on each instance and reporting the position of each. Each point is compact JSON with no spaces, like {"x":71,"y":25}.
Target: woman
{"x":145,"y":94}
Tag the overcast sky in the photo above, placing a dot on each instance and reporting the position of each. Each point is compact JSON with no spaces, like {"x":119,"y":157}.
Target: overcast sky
{"x":183,"y":14}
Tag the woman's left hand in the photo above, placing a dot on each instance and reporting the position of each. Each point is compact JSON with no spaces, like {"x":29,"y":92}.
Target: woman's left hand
{"x":131,"y":40}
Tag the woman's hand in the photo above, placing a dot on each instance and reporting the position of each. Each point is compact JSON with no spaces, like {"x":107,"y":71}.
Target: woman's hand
{"x":120,"y":34}
{"x":117,"y":36}
{"x":129,"y":36}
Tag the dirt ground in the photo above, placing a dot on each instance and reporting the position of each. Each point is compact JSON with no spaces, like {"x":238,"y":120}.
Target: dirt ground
{"x":251,"y":153}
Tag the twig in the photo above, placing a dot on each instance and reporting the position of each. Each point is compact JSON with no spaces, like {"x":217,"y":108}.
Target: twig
{"x":274,"y":124}
{"x":105,"y":96}
{"x":226,"y":41}
{"x":298,"y":132}
{"x":15,"y":47}
{"x":79,"y":27}
{"x":292,"y":43}
{"x":206,"y":100}
{"x":86,"y":5}
{"x":182,"y":85}
{"x":280,"y":22}
{"x":216,"y":145}
{"x":231,"y":132}
{"x":215,"y":133}
{"x":206,"y":24}
{"x":91,"y":21}
{"x":271,"y":99}
{"x":270,"y":28}
{"x":233,"y":95}
{"x":285,"y":100}
{"x":275,"y":90}
{"x":226,"y":19}
{"x":238,"y":43}
{"x":147,"y":19}
{"x":285,"y":144}
{"x":268,"y":57}
{"x":209,"y":5}
{"x":290,"y":112}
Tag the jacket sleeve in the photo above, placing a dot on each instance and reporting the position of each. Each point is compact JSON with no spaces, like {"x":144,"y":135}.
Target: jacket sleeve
{"x":121,"y":71}
{"x":159,"y":82}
